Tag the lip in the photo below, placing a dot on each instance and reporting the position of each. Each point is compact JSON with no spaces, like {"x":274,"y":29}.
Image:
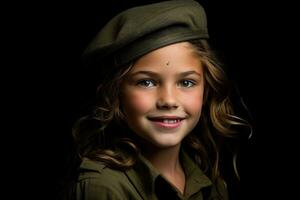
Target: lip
{"x":165,"y":117}
{"x":158,"y":121}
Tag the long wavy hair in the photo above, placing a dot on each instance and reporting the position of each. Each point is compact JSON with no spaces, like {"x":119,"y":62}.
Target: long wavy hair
{"x":104,"y":136}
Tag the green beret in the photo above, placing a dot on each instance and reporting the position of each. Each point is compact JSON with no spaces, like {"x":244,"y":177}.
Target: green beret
{"x":139,"y":30}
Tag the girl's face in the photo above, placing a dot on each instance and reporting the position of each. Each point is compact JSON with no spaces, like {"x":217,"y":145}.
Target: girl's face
{"x":162,"y":95}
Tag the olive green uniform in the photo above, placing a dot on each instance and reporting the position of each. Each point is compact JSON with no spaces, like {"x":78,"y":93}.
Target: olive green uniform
{"x":142,"y":181}
{"x":129,"y":35}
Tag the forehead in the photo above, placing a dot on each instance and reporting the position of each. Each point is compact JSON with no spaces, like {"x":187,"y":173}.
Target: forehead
{"x":179,"y":56}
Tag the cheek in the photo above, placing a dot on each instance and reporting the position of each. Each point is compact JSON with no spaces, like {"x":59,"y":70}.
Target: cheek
{"x":137,"y":102}
{"x":193,"y":102}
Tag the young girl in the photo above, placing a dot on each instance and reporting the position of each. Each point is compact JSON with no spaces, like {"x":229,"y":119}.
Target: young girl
{"x":163,"y":114}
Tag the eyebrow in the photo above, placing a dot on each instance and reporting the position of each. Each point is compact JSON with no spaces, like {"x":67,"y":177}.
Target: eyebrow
{"x":151,"y":73}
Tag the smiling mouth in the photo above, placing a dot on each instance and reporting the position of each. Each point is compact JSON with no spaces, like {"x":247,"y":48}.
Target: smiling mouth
{"x":169,"y":122}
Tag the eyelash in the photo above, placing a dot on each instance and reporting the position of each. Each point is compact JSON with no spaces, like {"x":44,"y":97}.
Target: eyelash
{"x":190,"y":82}
{"x":143,"y":83}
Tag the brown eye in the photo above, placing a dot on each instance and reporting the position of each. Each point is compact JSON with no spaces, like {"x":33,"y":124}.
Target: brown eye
{"x":146,"y":83}
{"x":187,"y":83}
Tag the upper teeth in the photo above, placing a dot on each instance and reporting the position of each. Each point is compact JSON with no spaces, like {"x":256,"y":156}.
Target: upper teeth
{"x":170,"y":121}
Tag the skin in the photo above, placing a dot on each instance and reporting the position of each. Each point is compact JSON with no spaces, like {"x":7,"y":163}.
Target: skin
{"x":165,"y":82}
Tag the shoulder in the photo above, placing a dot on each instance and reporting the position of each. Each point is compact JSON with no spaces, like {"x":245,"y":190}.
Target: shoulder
{"x":96,"y":181}
{"x":218,"y":191}
{"x":90,"y":169}
{"x":100,"y":174}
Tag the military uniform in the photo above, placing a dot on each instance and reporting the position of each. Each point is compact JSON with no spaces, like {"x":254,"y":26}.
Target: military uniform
{"x":141,"y":182}
{"x":140,"y":30}
{"x":128,"y":36}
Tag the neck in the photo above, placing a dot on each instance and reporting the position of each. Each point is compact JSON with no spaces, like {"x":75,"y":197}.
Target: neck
{"x":167,"y":162}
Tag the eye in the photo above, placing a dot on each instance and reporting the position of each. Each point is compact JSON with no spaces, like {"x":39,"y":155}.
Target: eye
{"x":187,"y":83}
{"x":146,"y":83}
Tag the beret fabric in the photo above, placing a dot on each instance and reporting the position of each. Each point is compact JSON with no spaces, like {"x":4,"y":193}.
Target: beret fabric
{"x":139,"y":30}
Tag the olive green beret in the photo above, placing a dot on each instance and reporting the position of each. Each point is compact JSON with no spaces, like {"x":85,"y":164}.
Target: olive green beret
{"x":139,"y":30}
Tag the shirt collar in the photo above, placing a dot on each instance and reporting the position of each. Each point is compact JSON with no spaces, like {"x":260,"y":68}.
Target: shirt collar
{"x":143,"y":176}
{"x":195,"y":177}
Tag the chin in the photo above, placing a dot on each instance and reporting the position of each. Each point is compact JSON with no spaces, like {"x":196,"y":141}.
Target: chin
{"x":167,"y":142}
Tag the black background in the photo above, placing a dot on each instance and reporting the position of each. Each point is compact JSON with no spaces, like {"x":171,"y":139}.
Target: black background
{"x":48,"y":86}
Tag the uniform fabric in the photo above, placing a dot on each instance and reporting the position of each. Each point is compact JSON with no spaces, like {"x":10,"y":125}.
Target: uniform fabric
{"x":141,"y":182}
{"x":139,"y":30}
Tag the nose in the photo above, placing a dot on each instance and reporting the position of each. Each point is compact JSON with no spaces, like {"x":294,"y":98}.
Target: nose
{"x":166,"y":99}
